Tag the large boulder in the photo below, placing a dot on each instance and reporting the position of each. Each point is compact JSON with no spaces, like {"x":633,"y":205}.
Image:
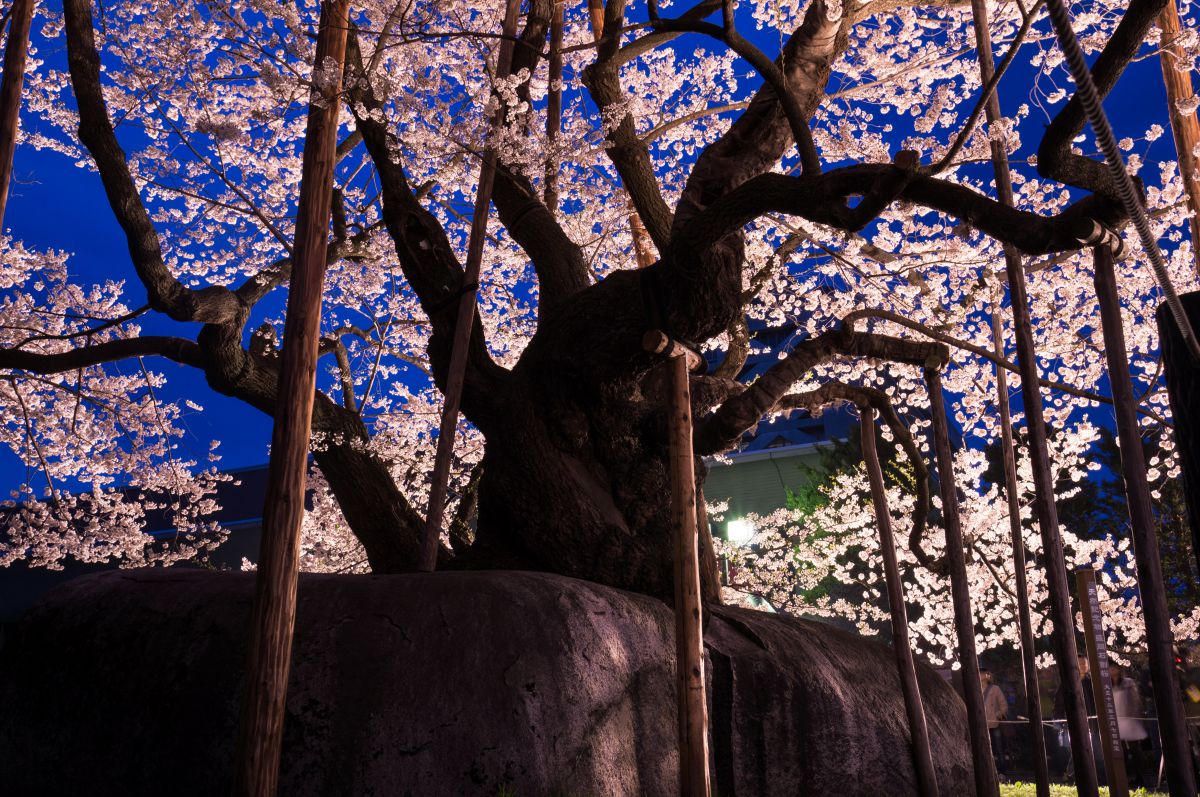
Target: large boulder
{"x":128,"y":683}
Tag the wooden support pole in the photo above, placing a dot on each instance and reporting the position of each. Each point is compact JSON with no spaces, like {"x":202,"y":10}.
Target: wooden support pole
{"x":1057,"y":580}
{"x":260,"y":728}
{"x":692,"y":704}
{"x":1160,"y":641}
{"x":1012,"y":488}
{"x":596,"y":15}
{"x":918,"y":731}
{"x":986,"y":782}
{"x":15,"y":52}
{"x":466,"y":319}
{"x":1106,"y":711}
{"x":1177,"y":76}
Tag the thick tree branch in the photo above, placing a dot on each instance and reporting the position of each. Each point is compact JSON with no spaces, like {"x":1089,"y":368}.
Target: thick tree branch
{"x":629,"y":154}
{"x":165,"y":293}
{"x":425,"y":253}
{"x":760,"y":136}
{"x":720,"y":430}
{"x":823,"y":199}
{"x":1055,"y":159}
{"x":558,"y":261}
{"x":180,"y":350}
{"x":770,"y":72}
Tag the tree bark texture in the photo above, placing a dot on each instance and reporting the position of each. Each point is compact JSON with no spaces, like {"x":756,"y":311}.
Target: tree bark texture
{"x":1012,"y":490}
{"x":689,"y":630}
{"x":15,"y":52}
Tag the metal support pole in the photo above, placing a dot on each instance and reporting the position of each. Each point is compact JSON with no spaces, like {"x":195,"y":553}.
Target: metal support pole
{"x":465,"y":321}
{"x":691,"y":701}
{"x":917,"y":730}
{"x":15,"y":52}
{"x":260,"y":726}
{"x":1061,"y":616}
{"x":1012,"y":486}
{"x":986,"y":782}
{"x":1143,"y":532}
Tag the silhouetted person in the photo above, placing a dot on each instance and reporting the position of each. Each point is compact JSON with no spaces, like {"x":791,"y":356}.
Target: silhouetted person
{"x":995,"y":708}
{"x":1089,"y":702}
{"x":1127,"y":700}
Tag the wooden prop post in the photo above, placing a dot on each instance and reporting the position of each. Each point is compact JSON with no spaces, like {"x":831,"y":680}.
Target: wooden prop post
{"x":692,"y":705}
{"x":1012,"y":487}
{"x":15,"y":52}
{"x":1057,"y":580}
{"x":1160,"y":641}
{"x":1106,"y":712}
{"x":260,"y":728}
{"x":466,"y":318}
{"x":917,"y":730}
{"x":986,"y":782}
{"x":1184,"y":127}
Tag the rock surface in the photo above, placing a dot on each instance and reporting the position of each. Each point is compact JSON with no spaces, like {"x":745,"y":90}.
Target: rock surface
{"x":127,"y":683}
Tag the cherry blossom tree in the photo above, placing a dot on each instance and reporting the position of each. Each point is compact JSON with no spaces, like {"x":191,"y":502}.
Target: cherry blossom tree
{"x":837,"y":572}
{"x":789,"y":162}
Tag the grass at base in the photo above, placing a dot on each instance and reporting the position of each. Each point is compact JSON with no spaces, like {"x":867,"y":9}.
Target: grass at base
{"x":1030,"y":790}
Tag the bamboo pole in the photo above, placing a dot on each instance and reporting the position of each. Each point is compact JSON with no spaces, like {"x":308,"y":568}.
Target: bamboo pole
{"x":1012,"y":486}
{"x":466,"y":318}
{"x":1106,"y":713}
{"x":15,"y":52}
{"x":260,"y":729}
{"x":1177,"y":76}
{"x":986,"y":782}
{"x":1061,"y":616}
{"x":691,"y":702}
{"x":918,"y":731}
{"x":1160,"y":641}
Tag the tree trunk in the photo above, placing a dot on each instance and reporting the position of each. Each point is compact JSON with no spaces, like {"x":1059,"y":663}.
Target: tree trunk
{"x":575,"y":479}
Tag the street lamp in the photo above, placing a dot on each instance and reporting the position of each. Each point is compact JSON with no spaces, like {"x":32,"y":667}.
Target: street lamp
{"x":739,"y":532}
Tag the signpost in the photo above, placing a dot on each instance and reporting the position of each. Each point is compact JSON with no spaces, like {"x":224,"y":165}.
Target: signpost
{"x":1106,"y":711}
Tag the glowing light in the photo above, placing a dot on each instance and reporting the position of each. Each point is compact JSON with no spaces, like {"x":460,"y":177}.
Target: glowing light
{"x":739,"y":532}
